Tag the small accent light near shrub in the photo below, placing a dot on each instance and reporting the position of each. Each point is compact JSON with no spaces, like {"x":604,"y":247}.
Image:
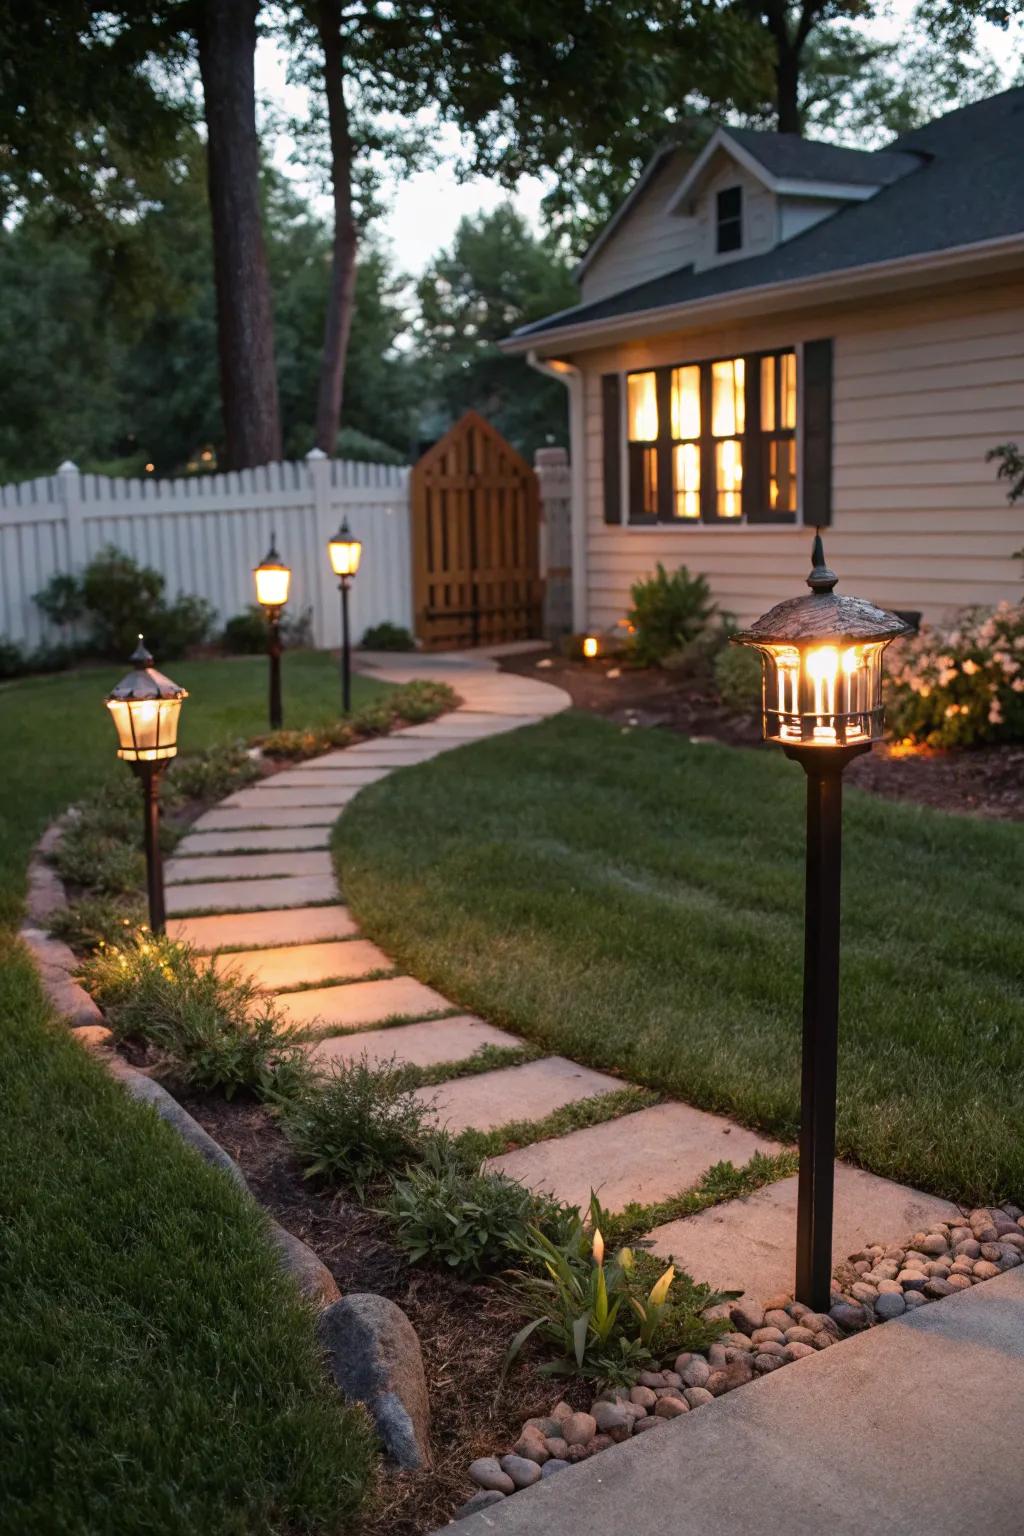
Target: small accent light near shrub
{"x":345,"y":553}
{"x":145,"y":707}
{"x":822,"y":701}
{"x":591,"y":647}
{"x":273,"y":580}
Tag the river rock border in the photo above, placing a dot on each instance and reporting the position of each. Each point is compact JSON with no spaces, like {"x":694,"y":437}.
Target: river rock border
{"x":878,"y":1283}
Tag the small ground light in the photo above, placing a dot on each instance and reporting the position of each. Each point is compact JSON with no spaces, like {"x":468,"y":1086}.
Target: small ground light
{"x":273,"y":581}
{"x":345,"y":552}
{"x":145,"y":707}
{"x":822,"y":702}
{"x":590,"y":647}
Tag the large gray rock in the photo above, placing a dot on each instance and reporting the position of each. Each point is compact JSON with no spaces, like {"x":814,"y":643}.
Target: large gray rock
{"x":375,"y":1359}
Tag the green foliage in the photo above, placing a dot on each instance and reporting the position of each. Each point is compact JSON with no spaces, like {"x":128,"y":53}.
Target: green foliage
{"x":357,"y":1124}
{"x":720,"y":1182}
{"x":669,"y":615}
{"x":473,"y":1222}
{"x":960,"y":687}
{"x":410,"y":704}
{"x":99,"y":846}
{"x":211,"y":773}
{"x":124,"y":599}
{"x":362,"y":448}
{"x":738,"y":678}
{"x":577,"y":1116}
{"x":93,"y":920}
{"x":245,"y":634}
{"x":210,"y":1027}
{"x":1010,"y":459}
{"x":62,"y":600}
{"x":387,"y":637}
{"x":605,"y":1319}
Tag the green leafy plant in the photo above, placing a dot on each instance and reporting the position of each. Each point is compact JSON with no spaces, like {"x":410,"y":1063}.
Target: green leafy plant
{"x":737,"y":671}
{"x":62,"y":600}
{"x":209,"y":1026}
{"x":473,"y":1222}
{"x":606,"y":1319}
{"x":212,"y":773}
{"x":98,"y":919}
{"x":119,"y":598}
{"x":357,"y":1124}
{"x":245,"y":634}
{"x":962,"y":686}
{"x":670,"y":613}
{"x":408,"y":705}
{"x":387,"y":637}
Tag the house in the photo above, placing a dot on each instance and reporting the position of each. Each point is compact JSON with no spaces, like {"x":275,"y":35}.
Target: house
{"x":778,"y":334}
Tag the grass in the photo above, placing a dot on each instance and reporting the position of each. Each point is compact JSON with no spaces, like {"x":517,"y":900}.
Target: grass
{"x":475,"y":1146}
{"x":635,"y":901}
{"x":158,"y":1371}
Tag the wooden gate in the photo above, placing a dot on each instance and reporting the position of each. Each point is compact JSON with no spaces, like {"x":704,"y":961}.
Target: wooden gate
{"x":476,"y":573}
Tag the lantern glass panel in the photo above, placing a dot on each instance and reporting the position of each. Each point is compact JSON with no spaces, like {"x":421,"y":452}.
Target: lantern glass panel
{"x":147,"y":729}
{"x":827,"y":695}
{"x":345,"y":554}
{"x":272,"y":584}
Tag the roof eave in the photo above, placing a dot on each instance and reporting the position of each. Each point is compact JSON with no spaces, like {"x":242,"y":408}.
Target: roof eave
{"x":849,"y":282}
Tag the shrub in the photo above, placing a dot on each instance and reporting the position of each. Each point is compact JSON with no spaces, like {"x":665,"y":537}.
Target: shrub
{"x":962,"y":687}
{"x":387,"y":637}
{"x":472,"y":1221}
{"x":357,"y":1124}
{"x":669,"y":614}
{"x":98,"y":862}
{"x":120,"y":598}
{"x":210,"y":1027}
{"x":738,"y":678}
{"x":408,"y":705}
{"x":62,"y":600}
{"x":13,"y":660}
{"x":95,"y":920}
{"x":605,"y":1319}
{"x":212,"y":773}
{"x":246,"y":633}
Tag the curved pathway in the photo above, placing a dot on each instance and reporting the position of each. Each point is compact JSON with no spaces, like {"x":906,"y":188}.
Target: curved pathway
{"x":252,"y":885}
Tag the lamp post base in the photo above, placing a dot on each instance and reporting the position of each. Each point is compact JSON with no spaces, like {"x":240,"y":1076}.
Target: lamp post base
{"x":824,"y":769}
{"x":149,"y":777}
{"x":346,"y":652}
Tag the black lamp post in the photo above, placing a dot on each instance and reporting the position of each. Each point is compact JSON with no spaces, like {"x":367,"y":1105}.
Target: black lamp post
{"x":273,"y":579}
{"x":345,"y":552}
{"x":145,"y":706}
{"x":822,"y":701}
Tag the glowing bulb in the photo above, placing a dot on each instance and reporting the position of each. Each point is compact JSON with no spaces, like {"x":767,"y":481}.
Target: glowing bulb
{"x":590,"y":647}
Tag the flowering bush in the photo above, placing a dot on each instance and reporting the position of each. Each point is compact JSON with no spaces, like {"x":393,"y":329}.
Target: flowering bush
{"x":963,"y":687}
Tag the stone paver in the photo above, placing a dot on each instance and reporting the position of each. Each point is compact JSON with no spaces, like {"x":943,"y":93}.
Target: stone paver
{"x":514,"y":1093}
{"x":233,"y":930}
{"x":250,"y":895}
{"x":348,"y":778}
{"x":387,"y":752}
{"x":287,"y":797}
{"x":469,"y":726}
{"x":299,"y":965}
{"x":259,"y":817}
{"x":360,"y":1003}
{"x":420,"y":1045}
{"x":749,"y":1244}
{"x":252,"y":840}
{"x":645,"y":1156}
{"x":246,"y":866}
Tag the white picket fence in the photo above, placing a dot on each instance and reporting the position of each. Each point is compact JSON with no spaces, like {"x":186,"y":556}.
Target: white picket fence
{"x":206,"y":533}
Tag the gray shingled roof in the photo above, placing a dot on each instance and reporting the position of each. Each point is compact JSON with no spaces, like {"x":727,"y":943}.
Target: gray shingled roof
{"x":969,"y":187}
{"x":792,"y":158}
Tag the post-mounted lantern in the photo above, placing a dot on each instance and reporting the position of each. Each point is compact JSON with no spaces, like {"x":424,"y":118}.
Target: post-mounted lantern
{"x":822,"y":702}
{"x":273,"y":580}
{"x":145,"y":707}
{"x":345,"y":553}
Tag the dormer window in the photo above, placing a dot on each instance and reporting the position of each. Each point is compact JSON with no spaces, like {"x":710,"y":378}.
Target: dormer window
{"x":729,"y":220}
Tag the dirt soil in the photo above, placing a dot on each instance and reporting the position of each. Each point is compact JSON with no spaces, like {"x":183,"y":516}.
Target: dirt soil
{"x":986,"y":782}
{"x":464,"y":1329}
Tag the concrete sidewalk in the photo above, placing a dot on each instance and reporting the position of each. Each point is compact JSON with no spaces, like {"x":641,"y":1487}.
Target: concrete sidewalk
{"x":915,"y":1426}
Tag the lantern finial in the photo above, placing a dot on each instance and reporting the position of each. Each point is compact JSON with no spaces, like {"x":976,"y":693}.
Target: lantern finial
{"x":140,"y":657}
{"x":821,"y":579}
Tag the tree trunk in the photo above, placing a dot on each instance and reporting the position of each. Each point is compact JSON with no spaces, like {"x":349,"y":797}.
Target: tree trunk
{"x":341,"y":294}
{"x":787,"y":77}
{"x":226,"y":35}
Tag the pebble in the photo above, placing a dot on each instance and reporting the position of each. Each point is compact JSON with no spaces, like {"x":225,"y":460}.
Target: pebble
{"x":937,"y":1287}
{"x":482,"y":1500}
{"x":610,"y":1418}
{"x":556,"y":1448}
{"x":717,"y":1356}
{"x":849,"y":1316}
{"x":798,"y":1310}
{"x":889,"y":1288}
{"x":798,"y":1335}
{"x":816,"y":1321}
{"x":824,"y":1340}
{"x":523,"y":1472}
{"x":986,"y":1271}
{"x":970,"y":1248}
{"x":652,"y":1379}
{"x":959,"y":1235}
{"x":912,"y":1299}
{"x":763,"y":1364}
{"x":556,"y":1464}
{"x":670,"y":1408}
{"x":1011,"y":1256}
{"x":544,"y":1427}
{"x":959,"y":1282}
{"x":530,"y":1445}
{"x":770,"y":1347}
{"x":866,"y":1294}
{"x":778,"y":1303}
{"x":487,"y":1473}
{"x":992,"y":1252}
{"x":642,"y":1395}
{"x":770,"y":1335}
{"x":683,"y":1360}
{"x":561,"y":1411}
{"x":697,"y":1396}
{"x":734,"y":1341}
{"x":934,"y":1244}
{"x":649,"y":1423}
{"x":578,"y":1428}
{"x":798,"y":1351}
{"x":912,"y":1279}
{"x":746,"y":1315}
{"x":890,"y":1304}
{"x":776,"y":1318}
{"x":695,"y":1373}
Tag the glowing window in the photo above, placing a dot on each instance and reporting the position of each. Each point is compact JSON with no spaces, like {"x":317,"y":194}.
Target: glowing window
{"x":729,"y":478}
{"x":728,"y":411}
{"x":686,"y":477}
{"x":642,"y":407}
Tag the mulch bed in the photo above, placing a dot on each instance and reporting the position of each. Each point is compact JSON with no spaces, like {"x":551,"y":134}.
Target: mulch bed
{"x":988,"y":781}
{"x":464,"y":1330}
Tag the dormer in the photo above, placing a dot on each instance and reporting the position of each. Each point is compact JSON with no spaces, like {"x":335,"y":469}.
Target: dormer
{"x":747,"y":192}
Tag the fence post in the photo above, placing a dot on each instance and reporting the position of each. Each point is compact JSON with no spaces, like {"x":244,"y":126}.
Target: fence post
{"x":325,"y":620}
{"x":70,"y":483}
{"x":554,"y":480}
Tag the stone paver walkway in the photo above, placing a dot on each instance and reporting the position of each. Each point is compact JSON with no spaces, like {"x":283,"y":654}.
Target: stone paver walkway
{"x":258,"y":866}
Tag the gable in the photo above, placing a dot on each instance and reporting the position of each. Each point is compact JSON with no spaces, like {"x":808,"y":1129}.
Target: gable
{"x":642,"y":240}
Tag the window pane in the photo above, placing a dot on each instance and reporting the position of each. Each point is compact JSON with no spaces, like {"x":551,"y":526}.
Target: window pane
{"x":787,"y":390}
{"x":686,"y":402}
{"x":642,"y":401}
{"x":729,"y":479}
{"x":649,"y":501}
{"x":782,"y":475}
{"x":767,"y":394}
{"x":727,"y":398}
{"x":686,"y":473}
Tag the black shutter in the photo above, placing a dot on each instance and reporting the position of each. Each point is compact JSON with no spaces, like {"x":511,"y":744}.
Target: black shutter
{"x":611,"y":429}
{"x":816,"y":468}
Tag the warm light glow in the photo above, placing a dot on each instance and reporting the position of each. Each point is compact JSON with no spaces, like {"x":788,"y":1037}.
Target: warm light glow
{"x":787,"y":367}
{"x":150,"y":468}
{"x":782,"y":474}
{"x":272,"y":583}
{"x":729,"y":475}
{"x":686,"y":473}
{"x":686,"y":402}
{"x":825,"y":695}
{"x":590,"y":647}
{"x":728,"y":410}
{"x":147,"y":729}
{"x":345,"y":552}
{"x":642,"y":407}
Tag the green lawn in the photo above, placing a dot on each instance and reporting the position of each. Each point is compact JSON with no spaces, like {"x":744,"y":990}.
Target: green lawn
{"x":636,"y":901}
{"x":158,"y":1374}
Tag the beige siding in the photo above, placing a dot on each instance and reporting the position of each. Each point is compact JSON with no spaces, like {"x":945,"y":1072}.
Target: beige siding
{"x":648,"y":242}
{"x":923,"y":389}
